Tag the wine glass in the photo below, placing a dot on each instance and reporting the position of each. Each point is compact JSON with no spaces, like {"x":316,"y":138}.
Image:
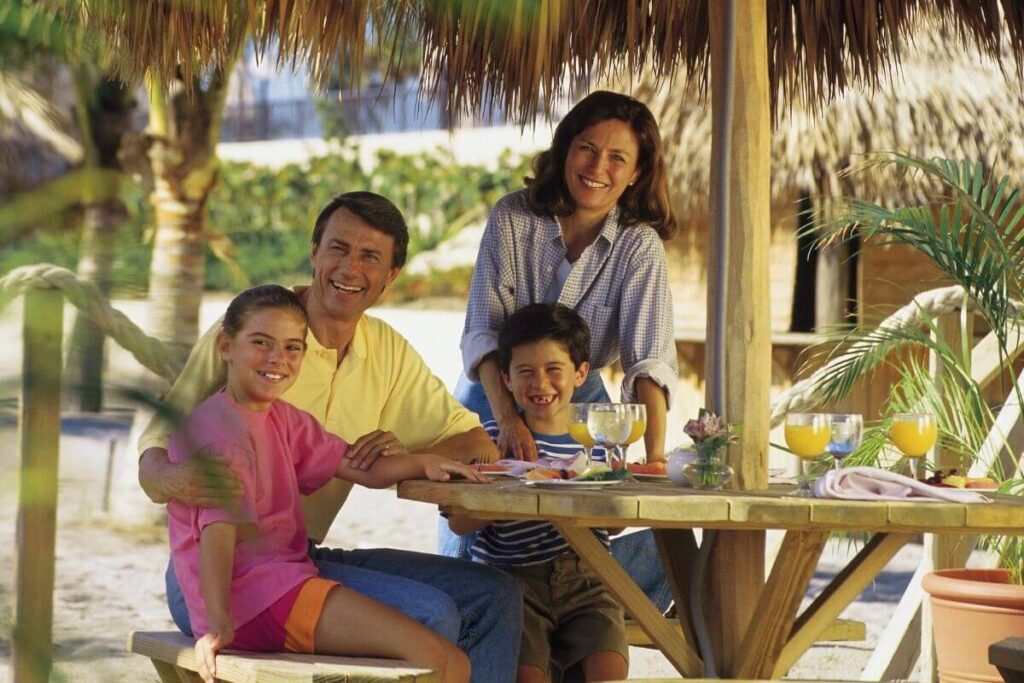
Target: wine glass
{"x":611,"y":425}
{"x":846,"y":432}
{"x":638,"y":418}
{"x":914,"y":434}
{"x":578,"y":430}
{"x":807,"y":436}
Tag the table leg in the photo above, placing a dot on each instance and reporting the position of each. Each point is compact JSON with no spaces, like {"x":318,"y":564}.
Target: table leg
{"x":678,"y":550}
{"x":780,"y":599}
{"x":676,"y":648}
{"x":841,"y":591}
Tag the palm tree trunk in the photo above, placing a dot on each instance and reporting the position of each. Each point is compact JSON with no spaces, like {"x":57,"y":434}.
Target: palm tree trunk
{"x":86,"y":356}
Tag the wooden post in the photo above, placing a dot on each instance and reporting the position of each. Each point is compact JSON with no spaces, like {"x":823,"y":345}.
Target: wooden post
{"x":39,"y":434}
{"x":942,"y":551}
{"x":735,"y":573}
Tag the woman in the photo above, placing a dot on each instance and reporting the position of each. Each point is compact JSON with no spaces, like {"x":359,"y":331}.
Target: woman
{"x":586,"y":232}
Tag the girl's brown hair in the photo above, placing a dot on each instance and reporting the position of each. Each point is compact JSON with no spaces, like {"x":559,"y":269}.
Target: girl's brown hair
{"x":646,"y":201}
{"x":257,"y":298}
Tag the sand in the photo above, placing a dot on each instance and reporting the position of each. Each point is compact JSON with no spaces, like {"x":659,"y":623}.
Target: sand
{"x":109,"y":573}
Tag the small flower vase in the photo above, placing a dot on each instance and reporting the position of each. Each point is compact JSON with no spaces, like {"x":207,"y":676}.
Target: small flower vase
{"x":708,"y":472}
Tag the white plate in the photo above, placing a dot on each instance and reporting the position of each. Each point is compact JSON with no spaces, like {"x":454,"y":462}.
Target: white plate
{"x":498,"y":475}
{"x":560,"y":483}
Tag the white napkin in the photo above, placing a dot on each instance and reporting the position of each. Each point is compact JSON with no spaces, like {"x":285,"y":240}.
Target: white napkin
{"x":872,"y":483}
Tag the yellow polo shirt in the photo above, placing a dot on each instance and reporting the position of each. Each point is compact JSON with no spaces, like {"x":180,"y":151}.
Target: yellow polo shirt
{"x":381,"y":383}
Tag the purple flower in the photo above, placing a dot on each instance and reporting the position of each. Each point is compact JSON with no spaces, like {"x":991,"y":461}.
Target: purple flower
{"x":709,"y":432}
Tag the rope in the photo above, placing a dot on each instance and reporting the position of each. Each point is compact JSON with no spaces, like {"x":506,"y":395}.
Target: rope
{"x":86,"y":296}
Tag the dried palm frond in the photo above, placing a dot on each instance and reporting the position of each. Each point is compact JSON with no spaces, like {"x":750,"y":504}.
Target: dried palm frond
{"x":521,"y":55}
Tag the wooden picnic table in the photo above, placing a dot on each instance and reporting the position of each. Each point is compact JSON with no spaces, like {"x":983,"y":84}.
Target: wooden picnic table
{"x":776,"y":636}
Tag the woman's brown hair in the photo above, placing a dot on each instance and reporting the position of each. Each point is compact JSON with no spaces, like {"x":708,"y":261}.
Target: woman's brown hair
{"x":646,"y":201}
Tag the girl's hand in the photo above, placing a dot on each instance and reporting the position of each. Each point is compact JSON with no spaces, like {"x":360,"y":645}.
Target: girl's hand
{"x":438,"y":468}
{"x":369,"y":447}
{"x":515,"y":440}
{"x":216,"y":639}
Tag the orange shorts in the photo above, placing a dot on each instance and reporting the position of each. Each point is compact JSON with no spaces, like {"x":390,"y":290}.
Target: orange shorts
{"x":290,"y":623}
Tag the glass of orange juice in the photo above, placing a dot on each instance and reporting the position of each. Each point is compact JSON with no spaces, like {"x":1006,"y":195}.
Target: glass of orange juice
{"x":914,"y":434}
{"x":807,"y":436}
{"x":638,"y":418}
{"x":578,"y":429}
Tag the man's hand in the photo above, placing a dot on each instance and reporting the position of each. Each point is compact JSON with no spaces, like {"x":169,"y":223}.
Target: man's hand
{"x":515,"y":439}
{"x":369,"y":447}
{"x":220,"y":635}
{"x":438,"y":468}
{"x":203,"y":480}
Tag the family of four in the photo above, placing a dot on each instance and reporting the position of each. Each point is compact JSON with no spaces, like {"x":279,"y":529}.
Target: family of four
{"x":297,"y":394}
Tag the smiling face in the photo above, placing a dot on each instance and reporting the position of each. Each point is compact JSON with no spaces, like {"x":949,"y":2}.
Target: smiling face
{"x":542,"y":377}
{"x":352,"y":265}
{"x":601,"y":164}
{"x":264,"y":356}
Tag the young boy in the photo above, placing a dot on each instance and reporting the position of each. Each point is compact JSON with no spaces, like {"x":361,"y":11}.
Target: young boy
{"x":569,"y":618}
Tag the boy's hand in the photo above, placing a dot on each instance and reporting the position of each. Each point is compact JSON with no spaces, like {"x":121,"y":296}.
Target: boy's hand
{"x":515,"y":440}
{"x":369,"y":447}
{"x":220,"y":635}
{"x":437,"y":468}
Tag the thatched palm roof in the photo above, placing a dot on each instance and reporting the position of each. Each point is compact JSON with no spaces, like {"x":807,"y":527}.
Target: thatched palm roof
{"x":942,"y":101}
{"x":519,"y":55}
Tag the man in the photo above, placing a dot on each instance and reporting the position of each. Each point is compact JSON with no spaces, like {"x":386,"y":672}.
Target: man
{"x":364,"y":382}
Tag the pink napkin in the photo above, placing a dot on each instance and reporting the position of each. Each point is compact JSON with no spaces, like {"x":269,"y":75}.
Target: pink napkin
{"x":872,"y":483}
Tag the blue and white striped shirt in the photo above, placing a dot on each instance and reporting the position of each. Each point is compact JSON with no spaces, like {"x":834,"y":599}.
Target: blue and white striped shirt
{"x":529,"y":542}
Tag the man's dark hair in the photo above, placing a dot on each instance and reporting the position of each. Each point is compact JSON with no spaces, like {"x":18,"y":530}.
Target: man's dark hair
{"x":537,"y":322}
{"x":256,"y":299}
{"x":375,"y":211}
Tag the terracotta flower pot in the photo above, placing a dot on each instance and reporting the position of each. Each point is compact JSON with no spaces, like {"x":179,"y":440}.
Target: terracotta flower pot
{"x":972,"y":608}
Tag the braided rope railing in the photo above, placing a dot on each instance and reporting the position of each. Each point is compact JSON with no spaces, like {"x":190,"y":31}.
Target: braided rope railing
{"x":804,"y":395}
{"x":86,"y":296}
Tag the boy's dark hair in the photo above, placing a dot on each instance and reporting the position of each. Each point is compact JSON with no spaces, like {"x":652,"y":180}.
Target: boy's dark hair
{"x":379,"y":213}
{"x":258,"y":298}
{"x":537,"y":322}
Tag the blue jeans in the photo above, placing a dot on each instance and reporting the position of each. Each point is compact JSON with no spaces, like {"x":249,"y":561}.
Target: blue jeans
{"x":476,"y":607}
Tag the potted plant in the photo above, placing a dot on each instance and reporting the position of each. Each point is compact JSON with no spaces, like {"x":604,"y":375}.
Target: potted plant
{"x":971,"y":231}
{"x":701,"y":466}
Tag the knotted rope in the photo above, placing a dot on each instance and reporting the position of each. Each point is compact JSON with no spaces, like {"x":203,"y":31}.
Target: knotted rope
{"x":86,"y":296}
{"x":804,"y":395}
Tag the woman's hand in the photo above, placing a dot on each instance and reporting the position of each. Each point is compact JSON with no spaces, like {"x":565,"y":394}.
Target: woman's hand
{"x":515,"y":439}
{"x":438,"y":468}
{"x":220,"y":635}
{"x":369,"y":447}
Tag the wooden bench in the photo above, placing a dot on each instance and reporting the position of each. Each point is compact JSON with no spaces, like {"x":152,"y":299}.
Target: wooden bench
{"x":1008,"y":656}
{"x":845,"y":630}
{"x":174,"y":658}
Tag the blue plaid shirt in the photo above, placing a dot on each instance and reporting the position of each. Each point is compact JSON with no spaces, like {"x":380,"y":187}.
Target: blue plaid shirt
{"x":619,"y":285}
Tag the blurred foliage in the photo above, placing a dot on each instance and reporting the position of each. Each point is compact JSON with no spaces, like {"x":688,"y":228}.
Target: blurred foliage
{"x":268,"y":215}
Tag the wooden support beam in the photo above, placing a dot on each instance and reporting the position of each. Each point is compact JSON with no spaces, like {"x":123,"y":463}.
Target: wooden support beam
{"x":782,"y":595}
{"x":39,"y":429}
{"x":844,"y":589}
{"x":735,"y":574}
{"x":678,"y":550}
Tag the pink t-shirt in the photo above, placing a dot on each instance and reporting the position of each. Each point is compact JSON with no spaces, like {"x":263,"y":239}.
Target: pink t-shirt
{"x":278,"y":454}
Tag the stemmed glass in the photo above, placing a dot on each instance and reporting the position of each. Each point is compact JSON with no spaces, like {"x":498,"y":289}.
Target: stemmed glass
{"x":914,"y":434}
{"x":578,"y":429}
{"x":807,"y":436}
{"x":611,"y":425}
{"x":846,"y":432}
{"x":638,"y":418}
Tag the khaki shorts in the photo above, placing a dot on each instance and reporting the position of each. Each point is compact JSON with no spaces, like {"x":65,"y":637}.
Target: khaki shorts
{"x":567,"y":614}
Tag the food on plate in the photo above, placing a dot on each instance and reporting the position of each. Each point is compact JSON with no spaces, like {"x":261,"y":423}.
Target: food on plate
{"x":953,"y":479}
{"x":545,"y":473}
{"x":654,"y":468}
{"x":600,"y":472}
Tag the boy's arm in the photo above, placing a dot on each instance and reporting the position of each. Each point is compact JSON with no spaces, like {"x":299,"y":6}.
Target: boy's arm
{"x":463,"y":524}
{"x":216,"y":560}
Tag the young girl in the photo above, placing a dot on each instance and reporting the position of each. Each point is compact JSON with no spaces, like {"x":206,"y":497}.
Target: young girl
{"x":247,"y":580}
